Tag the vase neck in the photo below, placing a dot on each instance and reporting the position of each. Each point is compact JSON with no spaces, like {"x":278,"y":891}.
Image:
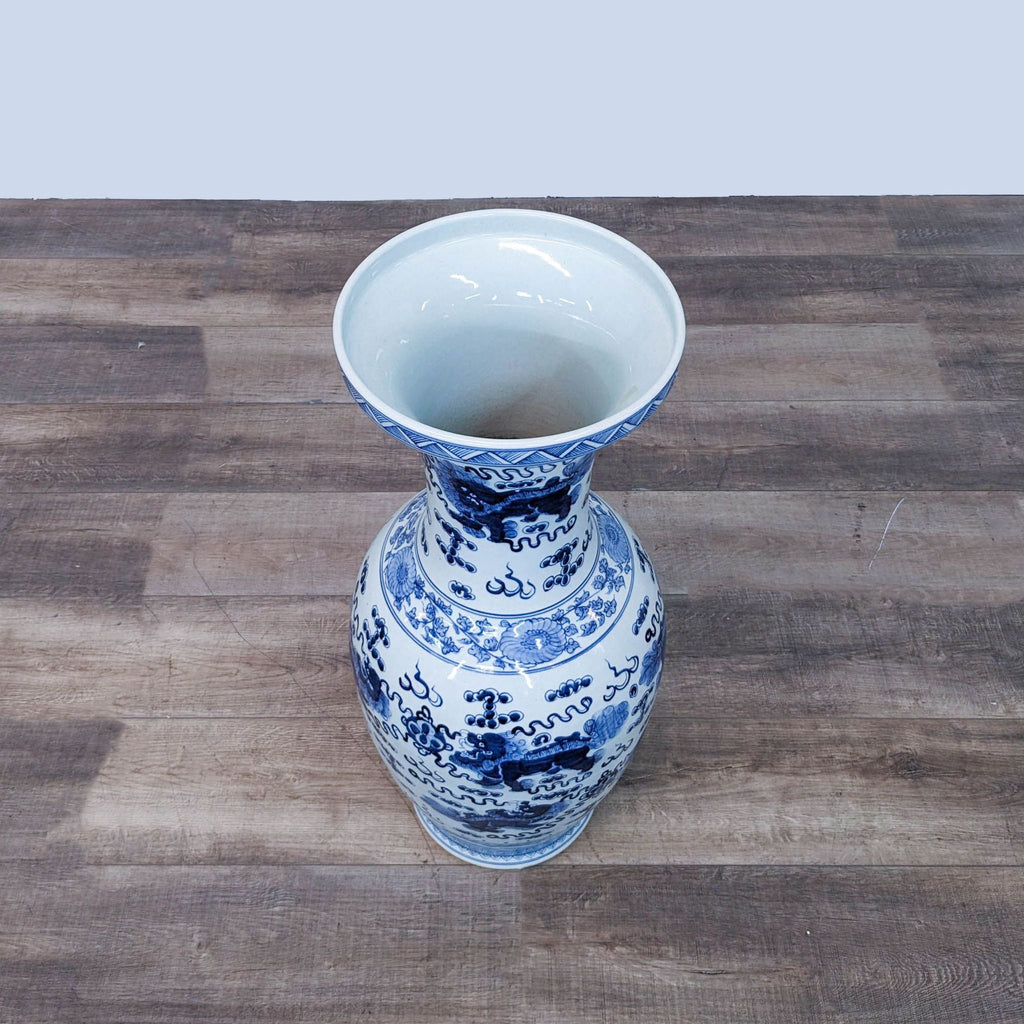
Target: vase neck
{"x":508,"y":539}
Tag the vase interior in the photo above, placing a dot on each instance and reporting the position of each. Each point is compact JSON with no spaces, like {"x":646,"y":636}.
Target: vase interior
{"x":508,"y":324}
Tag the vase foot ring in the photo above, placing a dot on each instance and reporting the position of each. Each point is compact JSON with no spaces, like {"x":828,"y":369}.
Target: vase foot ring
{"x":497,"y":859}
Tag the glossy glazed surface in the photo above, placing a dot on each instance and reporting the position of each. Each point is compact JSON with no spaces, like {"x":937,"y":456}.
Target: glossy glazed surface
{"x":523,"y":328}
{"x":507,"y":628}
{"x":506,"y":719}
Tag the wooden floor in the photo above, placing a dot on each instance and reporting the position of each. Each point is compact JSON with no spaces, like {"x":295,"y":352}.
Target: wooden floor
{"x":825,"y":819}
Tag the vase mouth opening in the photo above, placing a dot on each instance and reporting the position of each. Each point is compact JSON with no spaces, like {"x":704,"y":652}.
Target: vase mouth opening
{"x":508,"y":329}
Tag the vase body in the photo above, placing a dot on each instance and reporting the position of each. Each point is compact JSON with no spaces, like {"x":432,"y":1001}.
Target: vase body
{"x":507,"y":630}
{"x":507,"y":637}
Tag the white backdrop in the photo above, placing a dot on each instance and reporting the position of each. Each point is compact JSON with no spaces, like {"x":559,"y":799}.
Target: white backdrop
{"x":388,"y":99}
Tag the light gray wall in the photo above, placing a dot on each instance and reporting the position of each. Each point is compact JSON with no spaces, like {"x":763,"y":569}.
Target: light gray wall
{"x":390,"y":99}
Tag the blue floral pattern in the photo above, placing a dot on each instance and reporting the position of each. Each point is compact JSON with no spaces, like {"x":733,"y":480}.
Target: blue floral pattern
{"x":533,"y":641}
{"x":508,"y":642}
{"x":400,"y":572}
{"x":613,"y":537}
{"x":502,"y":767}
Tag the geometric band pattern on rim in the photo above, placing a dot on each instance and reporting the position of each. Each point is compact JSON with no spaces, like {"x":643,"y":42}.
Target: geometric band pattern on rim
{"x":473,"y":456}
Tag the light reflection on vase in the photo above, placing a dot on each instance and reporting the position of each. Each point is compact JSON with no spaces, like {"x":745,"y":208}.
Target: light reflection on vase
{"x":507,"y":628}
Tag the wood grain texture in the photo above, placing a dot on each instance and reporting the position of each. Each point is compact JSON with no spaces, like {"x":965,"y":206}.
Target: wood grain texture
{"x":760,"y":362}
{"x":263,"y":944}
{"x":290,"y":544}
{"x":46,"y":769}
{"x":292,"y":364}
{"x":295,"y":364}
{"x":75,"y":546}
{"x":864,"y":655}
{"x":824,"y":819}
{"x":703,"y":542}
{"x":847,"y":289}
{"x":970,"y":224}
{"x":699,"y":791}
{"x":981,"y":358}
{"x":833,"y":446}
{"x":790,"y":225}
{"x":62,"y":229}
{"x":764,"y":945}
{"x":265,"y":544}
{"x":907,"y":446}
{"x":117,"y":362}
{"x":761,"y":945}
{"x":266,"y":289}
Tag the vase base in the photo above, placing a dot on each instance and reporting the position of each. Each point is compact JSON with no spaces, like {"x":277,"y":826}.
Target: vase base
{"x":520,"y":858}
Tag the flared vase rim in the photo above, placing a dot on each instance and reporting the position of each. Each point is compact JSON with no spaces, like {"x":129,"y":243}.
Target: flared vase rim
{"x":472,"y":449}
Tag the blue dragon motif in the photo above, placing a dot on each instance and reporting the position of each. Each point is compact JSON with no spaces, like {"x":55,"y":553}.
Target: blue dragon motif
{"x":486,"y":505}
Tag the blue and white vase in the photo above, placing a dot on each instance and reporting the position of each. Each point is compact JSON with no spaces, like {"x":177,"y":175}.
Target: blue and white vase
{"x":507,"y":627}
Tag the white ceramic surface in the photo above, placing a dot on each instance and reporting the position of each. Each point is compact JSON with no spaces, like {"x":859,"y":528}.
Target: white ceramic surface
{"x":507,"y":628}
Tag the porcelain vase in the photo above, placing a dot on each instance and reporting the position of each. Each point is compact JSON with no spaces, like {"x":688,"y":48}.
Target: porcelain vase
{"x":507,"y":629}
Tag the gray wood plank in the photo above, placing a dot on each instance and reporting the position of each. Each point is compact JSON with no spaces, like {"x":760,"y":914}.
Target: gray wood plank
{"x":289,"y":363}
{"x":569,"y":944}
{"x":175,"y":657}
{"x":90,"y":228}
{"x":182,"y":447}
{"x":259,"y":944}
{"x":270,"y":288}
{"x":869,"y":653}
{"x":180,"y":739}
{"x":738,"y":225}
{"x":773,"y":945}
{"x":814,"y":791}
{"x":699,"y":791}
{"x":961,"y":543}
{"x":46,"y":769}
{"x":310,"y":544}
{"x":117,"y":362}
{"x":700,"y":542}
{"x":756,"y":446}
{"x":956,"y":224}
{"x":77,"y":546}
{"x":70,"y":363}
{"x":296,"y":364}
{"x":739,"y":362}
{"x":243,"y":544}
{"x":244,"y":791}
{"x":847,"y":289}
{"x":837,"y":445}
{"x":815,"y":362}
{"x":96,"y":292}
{"x":980,"y":357}
{"x":864,"y":655}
